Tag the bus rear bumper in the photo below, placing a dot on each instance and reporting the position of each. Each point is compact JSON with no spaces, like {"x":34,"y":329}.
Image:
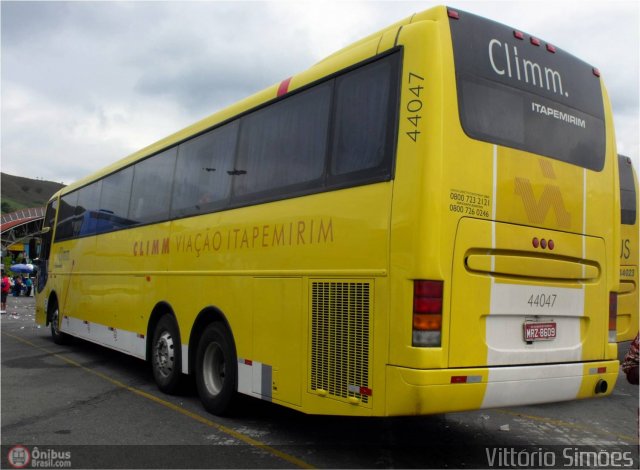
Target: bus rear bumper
{"x":419,"y":392}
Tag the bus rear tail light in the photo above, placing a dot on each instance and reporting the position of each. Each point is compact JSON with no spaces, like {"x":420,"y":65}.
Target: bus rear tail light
{"x":427,"y":313}
{"x":613,"y":316}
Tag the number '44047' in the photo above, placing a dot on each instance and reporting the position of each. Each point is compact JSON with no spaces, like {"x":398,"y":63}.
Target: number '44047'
{"x":542,"y":300}
{"x":414,"y":104}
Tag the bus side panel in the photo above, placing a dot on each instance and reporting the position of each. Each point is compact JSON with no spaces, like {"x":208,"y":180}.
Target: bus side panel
{"x":277,"y":309}
{"x":628,"y":297}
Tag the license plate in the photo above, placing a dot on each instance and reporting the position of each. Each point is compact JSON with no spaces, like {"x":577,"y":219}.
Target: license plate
{"x":538,"y":331}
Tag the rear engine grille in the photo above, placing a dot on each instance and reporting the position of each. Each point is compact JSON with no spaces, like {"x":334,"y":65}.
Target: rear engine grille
{"x":340,"y":339}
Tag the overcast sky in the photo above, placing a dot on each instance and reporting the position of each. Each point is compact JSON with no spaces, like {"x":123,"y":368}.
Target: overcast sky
{"x":87,"y":83}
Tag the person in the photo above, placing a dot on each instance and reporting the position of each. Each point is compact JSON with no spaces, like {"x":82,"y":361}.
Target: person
{"x":17,"y":286}
{"x":28,"y":284}
{"x":630,"y":362}
{"x":5,"y":288}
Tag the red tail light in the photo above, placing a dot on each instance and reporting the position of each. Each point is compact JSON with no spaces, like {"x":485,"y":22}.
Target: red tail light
{"x":613,"y":316}
{"x":427,"y":313}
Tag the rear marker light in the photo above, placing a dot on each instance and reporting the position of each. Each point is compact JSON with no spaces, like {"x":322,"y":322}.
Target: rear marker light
{"x":551,"y":48}
{"x":518,"y":35}
{"x":535,"y":41}
{"x":283,"y":88}
{"x":544,"y":244}
{"x":453,"y":14}
{"x":596,"y":72}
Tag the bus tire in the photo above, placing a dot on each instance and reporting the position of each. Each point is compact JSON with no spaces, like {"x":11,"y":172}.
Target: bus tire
{"x":54,"y":319}
{"x":216,"y":369}
{"x":166,"y":355}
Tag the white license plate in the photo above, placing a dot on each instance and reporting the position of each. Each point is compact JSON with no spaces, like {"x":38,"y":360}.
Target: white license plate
{"x":540,"y":331}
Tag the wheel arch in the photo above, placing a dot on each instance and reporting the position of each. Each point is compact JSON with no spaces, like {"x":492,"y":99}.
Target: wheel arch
{"x":52,"y":300}
{"x":161,"y":308}
{"x":206,"y":316}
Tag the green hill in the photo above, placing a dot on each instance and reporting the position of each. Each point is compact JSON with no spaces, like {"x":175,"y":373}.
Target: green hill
{"x":21,"y":193}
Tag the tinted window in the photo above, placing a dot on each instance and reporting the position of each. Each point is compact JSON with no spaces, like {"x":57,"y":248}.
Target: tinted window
{"x":114,"y":201}
{"x":335,"y":134}
{"x":283,"y":144}
{"x":50,"y":214}
{"x":516,"y":94}
{"x":363,"y":119}
{"x":49,"y":221}
{"x":151,"y":192}
{"x":628,"y":199}
{"x":66,"y":214}
{"x":88,"y":201}
{"x":202,"y":179}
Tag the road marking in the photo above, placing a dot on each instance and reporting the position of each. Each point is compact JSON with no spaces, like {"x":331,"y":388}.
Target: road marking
{"x":201,"y":419}
{"x":558,"y":422}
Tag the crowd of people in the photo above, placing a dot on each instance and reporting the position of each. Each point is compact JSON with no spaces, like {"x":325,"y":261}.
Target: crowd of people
{"x":18,"y":286}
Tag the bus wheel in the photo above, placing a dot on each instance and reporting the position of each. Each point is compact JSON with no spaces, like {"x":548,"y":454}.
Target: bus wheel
{"x":216,"y":369}
{"x":166,"y":355}
{"x":58,"y":336}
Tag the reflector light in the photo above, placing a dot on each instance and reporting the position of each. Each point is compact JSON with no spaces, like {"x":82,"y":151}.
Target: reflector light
{"x":602,"y":370}
{"x":518,"y":35}
{"x":551,"y":48}
{"x":535,"y":41}
{"x":458,"y":379}
{"x":453,"y":14}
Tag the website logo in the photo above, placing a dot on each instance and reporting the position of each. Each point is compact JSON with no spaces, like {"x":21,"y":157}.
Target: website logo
{"x":19,"y":457}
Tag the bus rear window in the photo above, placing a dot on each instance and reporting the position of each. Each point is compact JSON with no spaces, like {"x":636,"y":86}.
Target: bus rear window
{"x":531,"y":97}
{"x":627,"y":191}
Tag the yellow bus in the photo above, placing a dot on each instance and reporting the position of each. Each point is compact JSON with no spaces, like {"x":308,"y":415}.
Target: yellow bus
{"x":425,"y":221}
{"x":627,"y":321}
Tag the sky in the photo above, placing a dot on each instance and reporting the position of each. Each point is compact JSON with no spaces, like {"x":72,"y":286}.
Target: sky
{"x":84,"y":84}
